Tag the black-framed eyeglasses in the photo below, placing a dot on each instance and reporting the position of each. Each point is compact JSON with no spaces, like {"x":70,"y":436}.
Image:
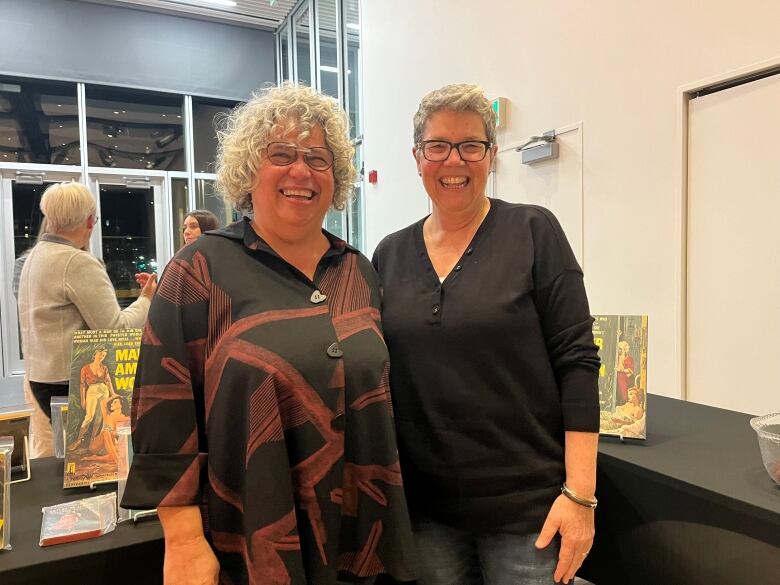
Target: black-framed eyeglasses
{"x":469,"y":150}
{"x":283,"y":154}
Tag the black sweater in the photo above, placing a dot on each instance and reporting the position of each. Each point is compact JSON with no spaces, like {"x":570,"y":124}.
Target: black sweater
{"x":488,"y":368}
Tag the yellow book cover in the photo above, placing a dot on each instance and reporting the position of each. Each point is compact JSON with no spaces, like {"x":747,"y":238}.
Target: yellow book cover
{"x":102,"y":375}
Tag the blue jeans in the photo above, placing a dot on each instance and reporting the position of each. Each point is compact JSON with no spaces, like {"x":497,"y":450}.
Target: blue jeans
{"x":453,"y":557}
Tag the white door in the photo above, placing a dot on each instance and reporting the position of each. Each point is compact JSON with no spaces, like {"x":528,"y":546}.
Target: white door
{"x":733,"y":306}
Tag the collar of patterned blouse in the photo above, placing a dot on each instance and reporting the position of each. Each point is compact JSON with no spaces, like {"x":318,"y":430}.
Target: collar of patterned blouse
{"x":242,"y":230}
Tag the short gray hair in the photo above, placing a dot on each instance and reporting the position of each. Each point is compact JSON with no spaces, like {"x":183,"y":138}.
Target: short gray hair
{"x":66,"y":206}
{"x":287,"y":108}
{"x":458,"y":97}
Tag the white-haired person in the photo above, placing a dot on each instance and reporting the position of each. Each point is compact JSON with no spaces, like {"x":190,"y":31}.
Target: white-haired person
{"x":63,"y":288}
{"x":494,"y":370}
{"x":263,"y":427}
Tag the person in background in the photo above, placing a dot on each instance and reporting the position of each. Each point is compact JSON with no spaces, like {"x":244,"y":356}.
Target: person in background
{"x":494,"y":370}
{"x":263,"y":430}
{"x":63,"y":288}
{"x":197,"y":222}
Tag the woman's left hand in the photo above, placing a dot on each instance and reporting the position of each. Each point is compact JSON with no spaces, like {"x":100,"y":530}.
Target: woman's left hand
{"x":575,"y":524}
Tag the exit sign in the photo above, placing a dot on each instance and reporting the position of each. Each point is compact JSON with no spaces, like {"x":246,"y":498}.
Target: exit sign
{"x":499,"y":107}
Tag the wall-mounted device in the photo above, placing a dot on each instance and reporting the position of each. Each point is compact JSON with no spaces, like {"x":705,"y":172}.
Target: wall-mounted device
{"x":539,"y":148}
{"x":499,"y":106}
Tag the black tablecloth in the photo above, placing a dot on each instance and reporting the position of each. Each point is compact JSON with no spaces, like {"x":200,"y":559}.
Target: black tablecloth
{"x":692,"y":504}
{"x":132,"y":553}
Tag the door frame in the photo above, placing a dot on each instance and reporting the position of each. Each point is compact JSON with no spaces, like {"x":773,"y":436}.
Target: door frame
{"x":11,"y":359}
{"x":160,"y":184}
{"x":685,"y":94}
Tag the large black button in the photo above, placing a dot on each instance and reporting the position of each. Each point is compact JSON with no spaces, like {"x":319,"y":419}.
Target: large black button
{"x":338,"y":422}
{"x":435,"y":310}
{"x":317,"y":297}
{"x":334,"y":350}
{"x":458,"y":267}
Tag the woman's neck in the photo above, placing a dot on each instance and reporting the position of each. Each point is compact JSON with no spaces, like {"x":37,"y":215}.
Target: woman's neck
{"x":303,"y":250}
{"x":444,"y":224}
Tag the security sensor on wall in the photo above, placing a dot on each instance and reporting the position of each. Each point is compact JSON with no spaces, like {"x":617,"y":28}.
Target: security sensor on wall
{"x":539,"y":148}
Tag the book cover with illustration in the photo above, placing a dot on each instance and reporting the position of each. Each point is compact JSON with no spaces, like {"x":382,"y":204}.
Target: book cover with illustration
{"x":102,"y":375}
{"x":78,"y":520}
{"x":622,"y":343}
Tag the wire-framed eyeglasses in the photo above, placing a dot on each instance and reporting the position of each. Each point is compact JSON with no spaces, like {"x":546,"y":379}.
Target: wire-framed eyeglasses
{"x":469,"y":150}
{"x":283,"y":154}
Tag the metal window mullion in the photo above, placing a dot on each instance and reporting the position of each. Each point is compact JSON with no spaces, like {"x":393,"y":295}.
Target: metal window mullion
{"x":290,"y":75}
{"x":293,"y":49}
{"x":97,"y":232}
{"x":189,"y":142}
{"x":278,"y":35}
{"x":313,"y":46}
{"x":341,"y":55}
{"x":314,"y":16}
{"x":81,"y":100}
{"x":7,"y":308}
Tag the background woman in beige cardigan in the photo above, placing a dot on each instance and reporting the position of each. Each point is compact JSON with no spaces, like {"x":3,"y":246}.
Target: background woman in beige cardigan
{"x":64,"y":288}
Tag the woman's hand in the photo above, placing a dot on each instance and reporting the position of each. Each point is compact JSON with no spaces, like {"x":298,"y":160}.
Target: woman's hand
{"x":576,"y":526}
{"x":190,"y":562}
{"x":189,"y":559}
{"x":142,"y":278}
{"x":149,"y":286}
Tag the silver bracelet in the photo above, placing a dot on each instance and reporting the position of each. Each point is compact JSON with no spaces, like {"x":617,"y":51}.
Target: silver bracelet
{"x":579,"y":499}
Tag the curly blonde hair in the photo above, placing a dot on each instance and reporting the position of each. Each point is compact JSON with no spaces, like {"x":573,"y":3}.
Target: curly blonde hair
{"x":278,"y":111}
{"x":458,"y":97}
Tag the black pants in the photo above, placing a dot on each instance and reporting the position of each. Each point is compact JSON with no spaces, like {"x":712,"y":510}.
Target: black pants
{"x":43,"y":391}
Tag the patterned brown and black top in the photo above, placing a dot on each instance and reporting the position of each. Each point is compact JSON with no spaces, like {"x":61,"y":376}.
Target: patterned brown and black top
{"x":262,"y":396}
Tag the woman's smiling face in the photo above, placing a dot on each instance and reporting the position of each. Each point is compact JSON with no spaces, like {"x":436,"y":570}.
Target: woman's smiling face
{"x":454,"y":184}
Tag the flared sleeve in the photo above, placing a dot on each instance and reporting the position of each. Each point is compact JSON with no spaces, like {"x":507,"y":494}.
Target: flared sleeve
{"x":168,"y":426}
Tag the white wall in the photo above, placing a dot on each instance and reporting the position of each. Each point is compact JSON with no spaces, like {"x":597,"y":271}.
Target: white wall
{"x":618,"y":67}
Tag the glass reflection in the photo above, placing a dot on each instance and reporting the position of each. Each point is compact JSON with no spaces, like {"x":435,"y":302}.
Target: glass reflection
{"x":205,"y":115}
{"x":326,"y":28}
{"x":285,"y":53}
{"x":355,"y":205}
{"x":179,"y":208}
{"x":353,"y":72}
{"x":39,"y":122}
{"x":134,"y":129}
{"x":26,"y":215}
{"x":302,"y":47}
{"x":207,"y":198}
{"x":128,"y":237}
{"x":335,"y":223}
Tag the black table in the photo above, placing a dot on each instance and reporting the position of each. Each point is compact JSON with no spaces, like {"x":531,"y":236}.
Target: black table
{"x":693,"y":504}
{"x":132,"y":553}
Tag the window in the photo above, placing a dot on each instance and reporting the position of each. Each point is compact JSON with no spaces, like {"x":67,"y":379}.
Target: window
{"x":133,"y":129}
{"x":39,"y":122}
{"x":206,"y":114}
{"x":337,"y":70}
{"x":302,"y":58}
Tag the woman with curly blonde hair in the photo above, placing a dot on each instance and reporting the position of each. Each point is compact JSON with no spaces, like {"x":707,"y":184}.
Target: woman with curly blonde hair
{"x":263,"y":428}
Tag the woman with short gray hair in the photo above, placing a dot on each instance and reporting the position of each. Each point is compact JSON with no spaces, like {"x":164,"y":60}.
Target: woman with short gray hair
{"x":63,"y":288}
{"x":494,"y":370}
